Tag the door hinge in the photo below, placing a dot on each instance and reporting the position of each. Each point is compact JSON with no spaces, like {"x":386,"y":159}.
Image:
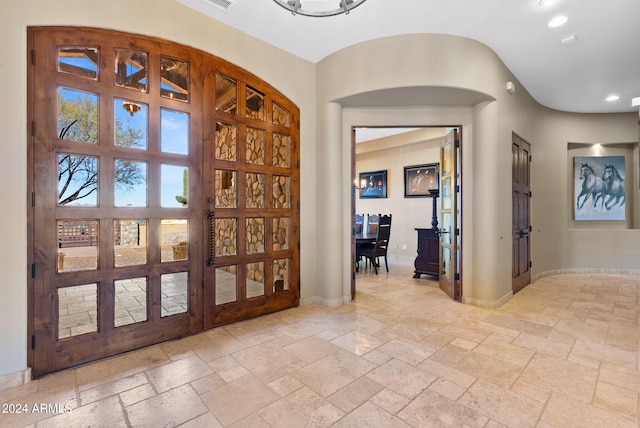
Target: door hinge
{"x":457,"y":232}
{"x":33,"y":199}
{"x":530,"y":228}
{"x":353,"y":276}
{"x":33,"y":128}
{"x":298,"y":164}
{"x":33,"y":57}
{"x":457,"y":277}
{"x":298,"y":204}
{"x":33,"y":270}
{"x":530,"y":194}
{"x":530,"y":264}
{"x":457,"y":188}
{"x":457,"y":144}
{"x":298,"y":245}
{"x":33,"y":341}
{"x":530,"y":158}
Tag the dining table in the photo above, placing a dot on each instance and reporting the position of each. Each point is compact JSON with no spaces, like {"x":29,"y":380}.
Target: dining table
{"x":365,"y":237}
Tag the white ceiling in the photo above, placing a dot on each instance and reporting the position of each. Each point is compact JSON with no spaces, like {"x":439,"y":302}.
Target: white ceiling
{"x":604,"y":59}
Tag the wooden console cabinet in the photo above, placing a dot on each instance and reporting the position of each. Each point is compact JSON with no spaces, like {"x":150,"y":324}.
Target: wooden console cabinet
{"x":428,"y":258}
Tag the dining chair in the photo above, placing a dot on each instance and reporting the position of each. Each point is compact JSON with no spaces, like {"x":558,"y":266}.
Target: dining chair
{"x":372,"y":222}
{"x":379,"y":248}
{"x":358,"y":223}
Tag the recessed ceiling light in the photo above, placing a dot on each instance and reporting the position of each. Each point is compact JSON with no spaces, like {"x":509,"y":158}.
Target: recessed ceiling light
{"x":558,"y":21}
{"x":612,"y":98}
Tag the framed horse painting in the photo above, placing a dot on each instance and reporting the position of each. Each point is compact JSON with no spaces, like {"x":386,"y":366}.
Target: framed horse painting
{"x":599,"y":188}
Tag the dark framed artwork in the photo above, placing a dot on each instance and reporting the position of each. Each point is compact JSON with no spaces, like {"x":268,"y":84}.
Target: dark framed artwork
{"x":599,"y":188}
{"x":374,"y":184}
{"x":418,"y":179}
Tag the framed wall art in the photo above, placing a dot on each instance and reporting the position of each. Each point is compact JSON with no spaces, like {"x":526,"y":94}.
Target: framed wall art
{"x":599,"y":188}
{"x":374,"y":184}
{"x":418,"y":179}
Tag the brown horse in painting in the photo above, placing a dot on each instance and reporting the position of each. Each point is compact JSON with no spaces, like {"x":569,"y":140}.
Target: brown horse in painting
{"x":614,"y":187}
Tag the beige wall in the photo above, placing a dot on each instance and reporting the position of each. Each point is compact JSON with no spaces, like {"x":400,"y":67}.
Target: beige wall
{"x":475,"y":79}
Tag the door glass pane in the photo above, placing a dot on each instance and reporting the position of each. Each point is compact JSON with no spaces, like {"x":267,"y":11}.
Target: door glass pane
{"x":130,"y":301}
{"x":130,"y":183}
{"x":281,"y":233}
{"x":173,"y":293}
{"x":447,"y":262}
{"x":174,"y":131}
{"x":174,"y":239}
{"x":256,"y":143}
{"x":77,"y":180}
{"x":446,"y":226}
{"x":281,"y":191}
{"x":446,"y":193}
{"x":79,"y":61}
{"x":131,"y":124}
{"x":225,"y":182}
{"x":131,"y":70}
{"x":174,"y":78}
{"x":255,"y":104}
{"x":226,"y":94}
{"x":77,"y":116}
{"x":174,"y":186}
{"x":255,"y":279}
{"x":255,"y":190}
{"x":77,"y":245}
{"x":281,"y":275}
{"x":255,"y":235}
{"x":130,"y":242}
{"x":226,"y":233}
{"x":280,"y":115}
{"x":281,"y":150}
{"x":447,"y":156}
{"x":226,"y":138}
{"x":226,"y":284}
{"x":77,"y":310}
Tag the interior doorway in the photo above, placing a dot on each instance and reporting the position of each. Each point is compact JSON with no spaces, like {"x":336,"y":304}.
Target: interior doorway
{"x":396,"y":153}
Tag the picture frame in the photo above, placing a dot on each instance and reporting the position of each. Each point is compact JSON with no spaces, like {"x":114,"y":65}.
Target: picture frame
{"x":373,"y":184}
{"x":419,"y":179}
{"x":599,"y":188}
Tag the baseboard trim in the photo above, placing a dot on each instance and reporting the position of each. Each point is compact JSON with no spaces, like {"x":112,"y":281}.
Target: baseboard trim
{"x":488,"y":304}
{"x":317,"y":300}
{"x":11,"y":380}
{"x":604,"y":271}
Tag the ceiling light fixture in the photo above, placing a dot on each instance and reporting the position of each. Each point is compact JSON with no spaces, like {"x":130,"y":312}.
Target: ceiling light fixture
{"x":319,"y":8}
{"x":558,"y":21}
{"x":612,"y":98}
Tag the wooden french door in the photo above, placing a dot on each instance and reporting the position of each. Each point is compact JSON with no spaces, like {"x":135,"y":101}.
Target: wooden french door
{"x":124,"y":156}
{"x":521,"y":224}
{"x":252,"y":189}
{"x":450,"y":236}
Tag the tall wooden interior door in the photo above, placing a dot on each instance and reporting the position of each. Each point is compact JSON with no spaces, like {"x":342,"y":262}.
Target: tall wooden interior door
{"x":450,"y":236}
{"x":145,"y":179}
{"x":252,"y":188}
{"x":521,"y":224}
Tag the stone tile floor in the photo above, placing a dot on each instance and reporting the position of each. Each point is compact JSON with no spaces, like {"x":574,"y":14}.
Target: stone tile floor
{"x":564,"y":352}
